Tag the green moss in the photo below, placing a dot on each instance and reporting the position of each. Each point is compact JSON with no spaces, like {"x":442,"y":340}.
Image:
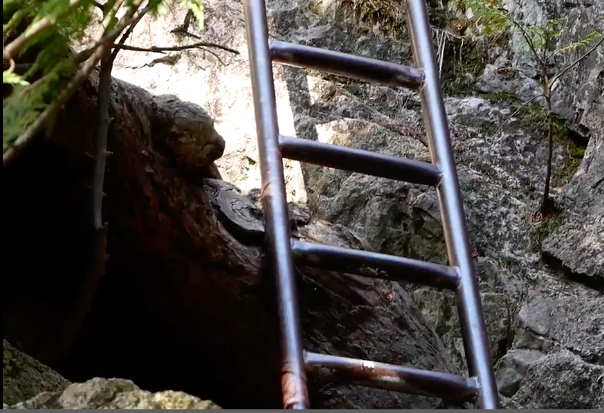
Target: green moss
{"x":573,"y":160}
{"x":23,"y":377}
{"x":534,"y":120}
{"x":543,"y":229}
{"x":578,"y":152}
{"x":386,"y":16}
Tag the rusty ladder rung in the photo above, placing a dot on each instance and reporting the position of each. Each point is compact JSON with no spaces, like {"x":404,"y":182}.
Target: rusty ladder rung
{"x":374,"y":265}
{"x":336,"y":63}
{"x":442,"y":173}
{"x":367,"y":373}
{"x":358,"y":160}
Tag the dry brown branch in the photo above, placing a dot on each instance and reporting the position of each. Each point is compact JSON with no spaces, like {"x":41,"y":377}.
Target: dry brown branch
{"x":575,"y":63}
{"x":161,"y":49}
{"x":215,"y":55}
{"x":103,"y":124}
{"x":129,"y":31}
{"x":517,"y":111}
{"x":526,"y":36}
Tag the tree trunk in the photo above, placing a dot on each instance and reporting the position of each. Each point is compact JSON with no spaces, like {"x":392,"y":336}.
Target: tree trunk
{"x":187,"y":300}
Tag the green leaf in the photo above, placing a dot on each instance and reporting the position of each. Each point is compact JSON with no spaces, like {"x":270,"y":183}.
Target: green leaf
{"x":13,"y":79}
{"x":197,"y":9}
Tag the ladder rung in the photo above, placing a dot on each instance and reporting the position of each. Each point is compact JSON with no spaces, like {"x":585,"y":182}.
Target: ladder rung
{"x":409,"y":380}
{"x":344,"y":64}
{"x":374,"y":265}
{"x":358,"y":160}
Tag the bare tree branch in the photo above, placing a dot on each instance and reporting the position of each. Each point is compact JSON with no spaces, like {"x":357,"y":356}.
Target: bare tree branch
{"x":575,"y":63}
{"x":108,"y":38}
{"x":129,"y":31}
{"x":186,"y":23}
{"x":215,"y":55}
{"x":517,"y":111}
{"x":183,"y":30}
{"x":103,"y":124}
{"x":526,"y":36}
{"x":160,"y":49}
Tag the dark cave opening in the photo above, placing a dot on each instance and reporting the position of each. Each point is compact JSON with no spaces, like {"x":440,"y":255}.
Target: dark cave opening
{"x":133,"y":331}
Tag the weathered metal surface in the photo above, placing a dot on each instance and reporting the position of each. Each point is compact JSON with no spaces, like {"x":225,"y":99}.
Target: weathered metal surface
{"x":357,"y":160}
{"x":368,"y":373}
{"x":442,"y":173}
{"x":348,"y":65}
{"x":372,"y":265}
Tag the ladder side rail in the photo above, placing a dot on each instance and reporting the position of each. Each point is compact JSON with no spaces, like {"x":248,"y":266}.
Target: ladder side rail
{"x":293,"y":375}
{"x":468,"y":298}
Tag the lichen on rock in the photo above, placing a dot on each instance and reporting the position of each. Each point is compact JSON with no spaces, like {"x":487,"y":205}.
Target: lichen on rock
{"x":100,"y":393}
{"x":23,"y":377}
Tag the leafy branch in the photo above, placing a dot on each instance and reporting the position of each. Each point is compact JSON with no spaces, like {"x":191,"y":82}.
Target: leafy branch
{"x":11,"y":50}
{"x":43,"y":29}
{"x":102,"y":49}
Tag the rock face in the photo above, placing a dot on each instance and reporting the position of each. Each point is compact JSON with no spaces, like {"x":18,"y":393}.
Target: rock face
{"x":112,"y":394}
{"x":562,"y":381}
{"x":28,"y":384}
{"x":24,"y":377}
{"x":578,"y":243}
{"x":187,"y":279}
{"x":546,"y":331}
{"x":501,"y":173}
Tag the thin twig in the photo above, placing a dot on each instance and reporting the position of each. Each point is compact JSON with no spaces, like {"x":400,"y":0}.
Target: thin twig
{"x":108,"y":17}
{"x":575,"y":63}
{"x":545,"y":203}
{"x":11,"y":50}
{"x":183,"y":30}
{"x":525,"y":104}
{"x":37,"y":126}
{"x":215,"y":55}
{"x":103,"y":100}
{"x":526,"y":36}
{"x":85,"y":54}
{"x":129,"y":31}
{"x":103,"y":124}
{"x":98,"y":259}
{"x":186,"y":23}
{"x":159,"y":49}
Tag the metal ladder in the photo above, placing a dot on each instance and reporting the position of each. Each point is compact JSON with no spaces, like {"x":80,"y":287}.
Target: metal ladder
{"x":459,"y":277}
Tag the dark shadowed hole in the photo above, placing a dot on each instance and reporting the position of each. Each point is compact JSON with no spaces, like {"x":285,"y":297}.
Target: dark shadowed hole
{"x":46,"y":244}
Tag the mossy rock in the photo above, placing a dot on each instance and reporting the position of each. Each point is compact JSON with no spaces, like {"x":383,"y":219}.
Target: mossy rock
{"x":28,"y":384}
{"x":113,"y":394}
{"x":23,"y":377}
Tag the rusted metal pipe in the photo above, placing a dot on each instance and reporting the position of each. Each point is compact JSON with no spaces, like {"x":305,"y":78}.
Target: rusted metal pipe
{"x":293,"y":376}
{"x":409,"y":380}
{"x":373,"y":265}
{"x":361,"y":161}
{"x":356,"y":67}
{"x":435,"y":118}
